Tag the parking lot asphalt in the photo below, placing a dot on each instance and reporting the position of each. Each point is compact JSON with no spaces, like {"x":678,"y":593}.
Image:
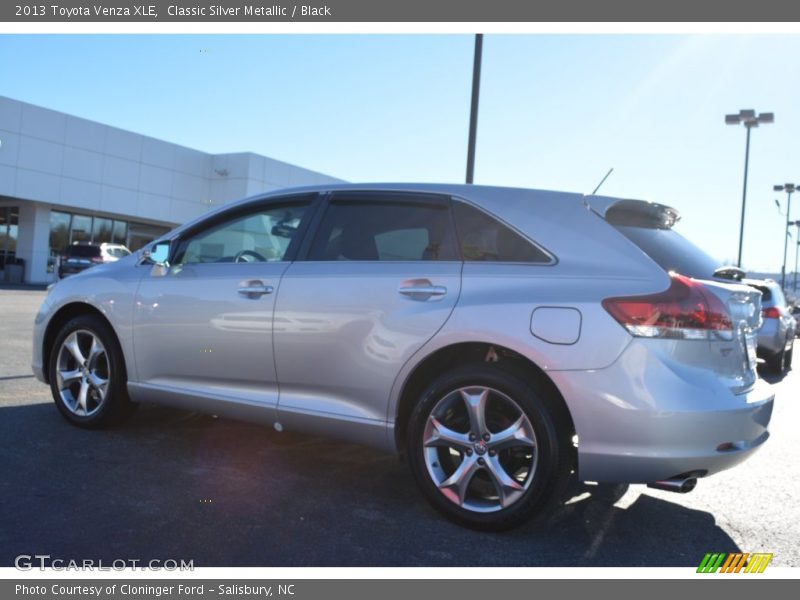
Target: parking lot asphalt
{"x":176,"y":485}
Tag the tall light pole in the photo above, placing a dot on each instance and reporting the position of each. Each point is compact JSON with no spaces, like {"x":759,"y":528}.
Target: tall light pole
{"x":749,"y":119}
{"x":473,"y":114}
{"x":797,"y":239}
{"x":790,"y":189}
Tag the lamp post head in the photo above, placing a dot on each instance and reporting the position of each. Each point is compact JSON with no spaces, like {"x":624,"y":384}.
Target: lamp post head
{"x":766,"y":118}
{"x":749,"y":118}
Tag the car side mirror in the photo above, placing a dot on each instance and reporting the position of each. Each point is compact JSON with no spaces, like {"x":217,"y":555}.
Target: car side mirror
{"x":158,"y":254}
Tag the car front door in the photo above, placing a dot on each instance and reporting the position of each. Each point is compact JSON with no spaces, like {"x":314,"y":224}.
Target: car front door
{"x":380,"y":277}
{"x":203,"y":326}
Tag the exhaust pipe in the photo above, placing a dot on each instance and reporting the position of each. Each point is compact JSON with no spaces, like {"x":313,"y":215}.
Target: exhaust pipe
{"x":680,"y":485}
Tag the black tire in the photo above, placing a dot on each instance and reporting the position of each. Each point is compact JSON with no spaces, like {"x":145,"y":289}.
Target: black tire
{"x":554,"y":451}
{"x":787,"y":360}
{"x":115,"y":406}
{"x":775,"y":362}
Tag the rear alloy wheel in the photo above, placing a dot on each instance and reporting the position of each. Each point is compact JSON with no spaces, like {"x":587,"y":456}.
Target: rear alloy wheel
{"x":486,"y":448}
{"x":87,"y":374}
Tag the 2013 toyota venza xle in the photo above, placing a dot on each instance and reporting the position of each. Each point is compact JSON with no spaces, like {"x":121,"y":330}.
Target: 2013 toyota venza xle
{"x":499,"y":338}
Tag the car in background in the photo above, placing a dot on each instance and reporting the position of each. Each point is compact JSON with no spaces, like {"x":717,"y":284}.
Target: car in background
{"x":80,"y":256}
{"x":778,"y":329}
{"x":501,"y":339}
{"x":796,"y":315}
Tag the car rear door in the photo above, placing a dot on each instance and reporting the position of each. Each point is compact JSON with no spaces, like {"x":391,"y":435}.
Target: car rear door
{"x":380,"y":277}
{"x":203,"y":328}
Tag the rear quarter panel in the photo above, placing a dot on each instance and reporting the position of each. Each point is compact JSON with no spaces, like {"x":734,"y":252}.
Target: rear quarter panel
{"x":593,"y":262}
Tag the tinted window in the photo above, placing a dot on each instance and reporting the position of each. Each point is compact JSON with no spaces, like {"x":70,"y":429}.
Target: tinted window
{"x":766,"y":294}
{"x":671,"y":251}
{"x":484,"y":238}
{"x":260,"y":236}
{"x":384,"y":230}
{"x":83,"y":251}
{"x":771,"y":295}
{"x":778,"y":297}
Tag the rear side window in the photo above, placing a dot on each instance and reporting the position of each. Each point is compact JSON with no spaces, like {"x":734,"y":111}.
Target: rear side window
{"x":83,"y":251}
{"x":671,"y":251}
{"x":384,"y":230}
{"x":483,"y":238}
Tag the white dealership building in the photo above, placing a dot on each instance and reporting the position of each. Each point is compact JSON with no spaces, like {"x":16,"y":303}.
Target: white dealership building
{"x":64,"y":179}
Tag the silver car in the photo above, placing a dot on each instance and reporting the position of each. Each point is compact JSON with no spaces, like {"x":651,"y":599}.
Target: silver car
{"x":776,"y":335}
{"x":500,"y":339}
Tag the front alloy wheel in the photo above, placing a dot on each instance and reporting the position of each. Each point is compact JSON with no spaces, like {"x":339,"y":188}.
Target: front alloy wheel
{"x":87,"y":374}
{"x":82,"y":373}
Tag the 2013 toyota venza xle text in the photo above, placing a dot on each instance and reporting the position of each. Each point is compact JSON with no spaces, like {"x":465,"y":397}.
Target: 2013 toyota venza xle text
{"x":499,"y":338}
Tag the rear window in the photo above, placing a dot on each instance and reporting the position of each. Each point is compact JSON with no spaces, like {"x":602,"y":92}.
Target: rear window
{"x":671,"y":251}
{"x":771,"y":294}
{"x":83,"y":251}
{"x":766,"y":294}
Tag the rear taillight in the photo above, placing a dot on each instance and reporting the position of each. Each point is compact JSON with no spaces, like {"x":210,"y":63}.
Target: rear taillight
{"x":686,"y":310}
{"x":773,"y":312}
{"x":97,"y":259}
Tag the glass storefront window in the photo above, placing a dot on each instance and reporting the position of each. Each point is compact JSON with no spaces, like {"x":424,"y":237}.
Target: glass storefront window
{"x":120,"y":232}
{"x":59,"y":231}
{"x":101,"y":230}
{"x":67,"y":228}
{"x":11,"y":239}
{"x":9,"y":218}
{"x":81,"y":229}
{"x":13,"y":229}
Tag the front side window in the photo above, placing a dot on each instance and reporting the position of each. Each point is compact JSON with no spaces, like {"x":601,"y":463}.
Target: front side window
{"x":385,"y":230}
{"x":260,"y":236}
{"x":484,"y":238}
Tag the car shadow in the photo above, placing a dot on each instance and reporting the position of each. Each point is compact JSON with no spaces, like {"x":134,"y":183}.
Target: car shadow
{"x":173,"y":484}
{"x":770,"y":376}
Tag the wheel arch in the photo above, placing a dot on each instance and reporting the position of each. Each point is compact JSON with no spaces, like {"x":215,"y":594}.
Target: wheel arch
{"x":63,"y":316}
{"x":465,"y":352}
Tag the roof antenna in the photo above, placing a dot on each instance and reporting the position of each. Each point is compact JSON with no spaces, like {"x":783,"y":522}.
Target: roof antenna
{"x":602,"y":181}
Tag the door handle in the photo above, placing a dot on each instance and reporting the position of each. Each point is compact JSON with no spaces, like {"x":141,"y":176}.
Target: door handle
{"x":255,"y":289}
{"x":423,"y":291}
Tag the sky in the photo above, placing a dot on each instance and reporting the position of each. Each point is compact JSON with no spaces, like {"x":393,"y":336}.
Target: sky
{"x":556,"y":111}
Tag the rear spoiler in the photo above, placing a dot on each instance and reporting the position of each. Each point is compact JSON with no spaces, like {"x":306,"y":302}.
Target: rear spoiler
{"x":730,"y":272}
{"x":637,"y":213}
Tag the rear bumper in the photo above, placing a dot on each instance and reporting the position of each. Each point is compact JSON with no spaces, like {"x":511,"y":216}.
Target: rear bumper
{"x":643,"y":420}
